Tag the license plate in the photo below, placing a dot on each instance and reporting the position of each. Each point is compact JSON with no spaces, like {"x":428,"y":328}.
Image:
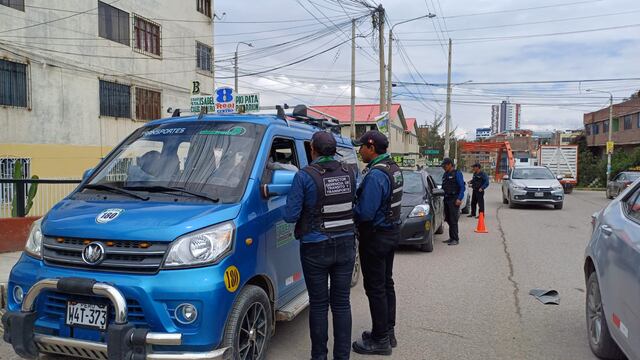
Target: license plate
{"x":87,"y":315}
{"x":539,"y":194}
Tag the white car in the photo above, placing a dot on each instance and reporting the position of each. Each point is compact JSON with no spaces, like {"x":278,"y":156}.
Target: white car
{"x":532,"y":185}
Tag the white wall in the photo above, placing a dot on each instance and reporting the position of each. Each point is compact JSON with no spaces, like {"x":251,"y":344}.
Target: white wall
{"x":64,"y":83}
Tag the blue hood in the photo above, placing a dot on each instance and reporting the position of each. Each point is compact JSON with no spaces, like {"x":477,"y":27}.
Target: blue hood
{"x":141,"y":220}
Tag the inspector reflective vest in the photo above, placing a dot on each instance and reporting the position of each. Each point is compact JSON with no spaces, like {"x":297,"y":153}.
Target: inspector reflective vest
{"x":450,"y":184}
{"x":333,"y":211}
{"x":393,"y":205}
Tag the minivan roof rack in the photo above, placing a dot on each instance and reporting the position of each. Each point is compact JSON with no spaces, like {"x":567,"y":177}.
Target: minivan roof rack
{"x":301,"y":114}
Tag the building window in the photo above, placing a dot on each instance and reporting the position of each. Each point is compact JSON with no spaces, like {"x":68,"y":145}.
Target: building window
{"x":13,"y":84}
{"x":203,"y":56}
{"x":115,"y":99}
{"x":360,"y":130}
{"x":147,"y":36}
{"x":628,"y":124}
{"x":148,"y":104}
{"x":587,"y":129}
{"x":596,"y":129}
{"x":113,"y":23}
{"x":605,"y":126}
{"x":204,"y":7}
{"x":16,"y":4}
{"x":7,"y":168}
{"x":615,"y":125}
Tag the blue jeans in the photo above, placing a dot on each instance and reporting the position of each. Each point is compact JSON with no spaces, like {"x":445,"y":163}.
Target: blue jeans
{"x":330,"y":259}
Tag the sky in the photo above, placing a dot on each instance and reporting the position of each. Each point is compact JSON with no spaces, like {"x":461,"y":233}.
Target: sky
{"x":494,"y":41}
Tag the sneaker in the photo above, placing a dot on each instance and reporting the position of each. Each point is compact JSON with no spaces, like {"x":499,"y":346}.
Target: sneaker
{"x":447,"y":241}
{"x":372,"y":347}
{"x":453,"y":242}
{"x":471,"y":215}
{"x":392,"y":337}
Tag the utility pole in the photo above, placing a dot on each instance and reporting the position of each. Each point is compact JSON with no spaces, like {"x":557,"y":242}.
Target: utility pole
{"x":353,"y":78}
{"x":447,"y":125}
{"x":235,"y":63}
{"x":381,"y":16}
{"x":610,"y":131}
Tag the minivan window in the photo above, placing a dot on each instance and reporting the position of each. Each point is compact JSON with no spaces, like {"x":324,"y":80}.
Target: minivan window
{"x":214,"y":158}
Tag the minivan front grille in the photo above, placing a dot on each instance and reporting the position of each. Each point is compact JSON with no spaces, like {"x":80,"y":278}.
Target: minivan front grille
{"x":120,"y":256}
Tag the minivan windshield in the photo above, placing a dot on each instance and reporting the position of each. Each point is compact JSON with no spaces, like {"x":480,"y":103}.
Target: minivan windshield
{"x":199,"y":159}
{"x":533,"y":173}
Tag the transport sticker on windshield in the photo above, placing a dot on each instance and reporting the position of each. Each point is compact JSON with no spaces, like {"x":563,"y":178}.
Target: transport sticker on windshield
{"x":171,"y":131}
{"x":234,"y":131}
{"x":232,"y":278}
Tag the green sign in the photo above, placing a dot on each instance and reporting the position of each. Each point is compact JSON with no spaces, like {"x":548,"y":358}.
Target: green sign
{"x":431,"y":152}
{"x":198,"y":102}
{"x":247,"y":103}
{"x":234,"y":131}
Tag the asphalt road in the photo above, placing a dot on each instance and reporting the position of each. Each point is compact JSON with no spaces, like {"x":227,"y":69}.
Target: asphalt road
{"x":471,"y":301}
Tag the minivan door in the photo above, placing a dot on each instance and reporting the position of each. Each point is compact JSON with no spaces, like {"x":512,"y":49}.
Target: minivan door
{"x":283,"y":250}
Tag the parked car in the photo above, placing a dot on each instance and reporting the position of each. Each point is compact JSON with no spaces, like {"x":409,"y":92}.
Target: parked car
{"x":532,"y":185}
{"x":436,"y":173}
{"x":422,"y":210}
{"x":173,"y":247}
{"x":612,"y":275}
{"x":620,"y":182}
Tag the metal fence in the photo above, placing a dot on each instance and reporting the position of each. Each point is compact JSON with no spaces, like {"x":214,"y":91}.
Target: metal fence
{"x":50,"y":191}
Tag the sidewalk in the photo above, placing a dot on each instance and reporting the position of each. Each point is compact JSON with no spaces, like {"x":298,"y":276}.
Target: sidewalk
{"x":7,"y":260}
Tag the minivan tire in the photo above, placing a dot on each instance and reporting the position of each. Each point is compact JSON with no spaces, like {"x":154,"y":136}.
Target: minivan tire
{"x":252,"y":303}
{"x":604,"y":346}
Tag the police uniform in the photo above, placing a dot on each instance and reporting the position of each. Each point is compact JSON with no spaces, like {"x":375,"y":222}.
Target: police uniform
{"x":479,"y":181}
{"x":377,"y":214}
{"x":320,"y":202}
{"x":453,"y":186}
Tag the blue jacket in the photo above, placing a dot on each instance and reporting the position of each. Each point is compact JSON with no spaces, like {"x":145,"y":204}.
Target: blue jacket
{"x":374,"y":193}
{"x":303,"y":195}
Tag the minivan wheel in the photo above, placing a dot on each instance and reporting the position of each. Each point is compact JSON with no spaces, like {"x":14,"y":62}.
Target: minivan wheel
{"x":600,"y":341}
{"x":249,"y":326}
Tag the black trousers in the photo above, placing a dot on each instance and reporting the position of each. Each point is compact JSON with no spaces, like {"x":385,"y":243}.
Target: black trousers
{"x":451,"y":216}
{"x":477,"y":199}
{"x":377,"y":250}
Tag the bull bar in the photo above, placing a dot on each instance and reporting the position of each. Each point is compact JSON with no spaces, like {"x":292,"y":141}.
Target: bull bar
{"x":124,"y":340}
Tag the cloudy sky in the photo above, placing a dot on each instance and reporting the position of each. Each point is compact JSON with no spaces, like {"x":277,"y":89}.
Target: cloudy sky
{"x":494,"y":41}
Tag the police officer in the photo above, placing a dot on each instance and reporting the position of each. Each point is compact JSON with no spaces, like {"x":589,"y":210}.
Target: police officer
{"x":377,"y":215}
{"x":453,"y":186}
{"x":320,"y":202}
{"x":479,"y":183}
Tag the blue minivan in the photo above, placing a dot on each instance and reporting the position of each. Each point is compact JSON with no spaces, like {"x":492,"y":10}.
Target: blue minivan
{"x":173,"y":247}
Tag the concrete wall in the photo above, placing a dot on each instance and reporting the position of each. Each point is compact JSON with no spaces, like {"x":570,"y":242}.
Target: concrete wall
{"x":62,"y":130}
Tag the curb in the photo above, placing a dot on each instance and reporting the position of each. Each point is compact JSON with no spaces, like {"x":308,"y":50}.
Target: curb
{"x":590,"y":189}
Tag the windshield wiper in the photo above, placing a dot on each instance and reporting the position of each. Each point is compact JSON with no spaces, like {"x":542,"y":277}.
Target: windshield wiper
{"x":115,"y":189}
{"x":161,"y":188}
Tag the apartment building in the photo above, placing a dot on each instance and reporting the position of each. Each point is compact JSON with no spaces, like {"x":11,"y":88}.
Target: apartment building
{"x":625,"y":126}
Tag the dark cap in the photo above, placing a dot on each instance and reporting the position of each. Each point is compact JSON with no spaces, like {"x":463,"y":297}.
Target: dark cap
{"x":446,"y":161}
{"x":372,"y":137}
{"x":476,"y":165}
{"x":324,"y":143}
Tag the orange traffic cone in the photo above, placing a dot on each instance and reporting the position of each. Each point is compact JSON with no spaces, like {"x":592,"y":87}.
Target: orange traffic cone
{"x":481,"y":227}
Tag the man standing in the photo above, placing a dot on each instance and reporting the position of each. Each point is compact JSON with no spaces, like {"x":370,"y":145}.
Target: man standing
{"x":377,"y":215}
{"x":453,"y":186}
{"x":321,"y":204}
{"x":479,"y":183}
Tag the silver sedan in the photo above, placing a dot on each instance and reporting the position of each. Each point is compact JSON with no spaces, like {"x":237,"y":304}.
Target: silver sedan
{"x":532,"y":185}
{"x":612,"y":274}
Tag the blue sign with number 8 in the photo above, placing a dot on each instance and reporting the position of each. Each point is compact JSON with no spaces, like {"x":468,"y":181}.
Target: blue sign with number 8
{"x":224,"y":95}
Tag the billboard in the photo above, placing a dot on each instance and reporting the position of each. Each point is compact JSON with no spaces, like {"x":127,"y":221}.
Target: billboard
{"x":483,"y":133}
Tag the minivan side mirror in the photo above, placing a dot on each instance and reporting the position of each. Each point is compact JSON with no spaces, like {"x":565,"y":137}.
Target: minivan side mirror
{"x":86,"y":174}
{"x":280,"y":183}
{"x":506,"y":177}
{"x":559,"y":177}
{"x":438,"y":192}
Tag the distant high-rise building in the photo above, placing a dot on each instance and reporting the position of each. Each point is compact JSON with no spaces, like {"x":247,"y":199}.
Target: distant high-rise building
{"x":505,"y":117}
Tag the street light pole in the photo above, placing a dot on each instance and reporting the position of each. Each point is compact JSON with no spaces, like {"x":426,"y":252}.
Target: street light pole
{"x":235,"y":63}
{"x":389,"y":69}
{"x":610,"y":130}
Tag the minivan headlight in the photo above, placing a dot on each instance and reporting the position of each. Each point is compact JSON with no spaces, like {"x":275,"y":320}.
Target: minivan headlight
{"x":557,"y":187}
{"x":420,"y":211}
{"x":201,"y":247}
{"x":33,"y":246}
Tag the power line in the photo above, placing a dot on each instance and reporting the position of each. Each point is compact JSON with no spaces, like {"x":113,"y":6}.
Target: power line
{"x":523,"y":9}
{"x":527,"y":82}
